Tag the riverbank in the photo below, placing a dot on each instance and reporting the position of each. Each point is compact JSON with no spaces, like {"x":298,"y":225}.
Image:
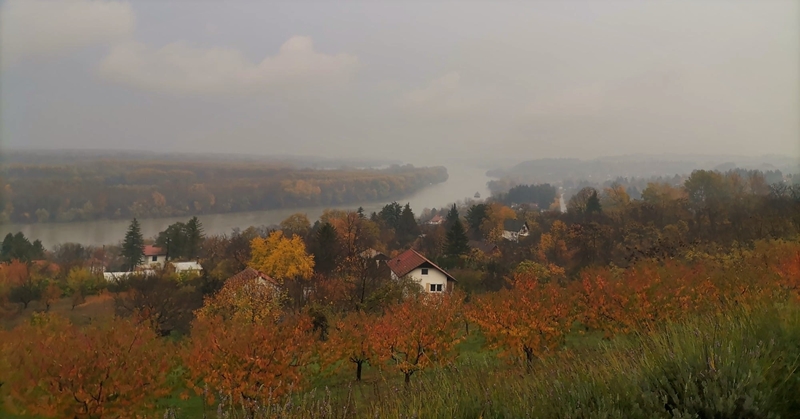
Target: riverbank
{"x":462,"y":184}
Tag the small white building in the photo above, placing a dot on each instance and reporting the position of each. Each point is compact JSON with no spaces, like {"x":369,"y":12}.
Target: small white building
{"x":120,"y":276}
{"x":154,"y":257}
{"x":514,"y":229}
{"x":188,"y":267}
{"x":435,"y":221}
{"x":427,"y":274}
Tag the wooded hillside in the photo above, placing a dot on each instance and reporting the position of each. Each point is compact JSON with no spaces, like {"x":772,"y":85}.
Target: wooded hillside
{"x":121,"y":189}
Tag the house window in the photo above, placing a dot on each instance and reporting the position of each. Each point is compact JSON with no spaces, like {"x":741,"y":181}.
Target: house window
{"x":155,"y":259}
{"x":424,"y":271}
{"x":436,"y":287}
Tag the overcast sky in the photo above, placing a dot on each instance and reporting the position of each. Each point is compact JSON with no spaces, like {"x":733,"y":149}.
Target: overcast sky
{"x":414,"y":81}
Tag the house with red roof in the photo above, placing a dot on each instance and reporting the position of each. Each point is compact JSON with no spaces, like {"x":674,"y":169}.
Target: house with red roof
{"x":255,"y":276}
{"x":154,"y":257}
{"x":413,"y":265}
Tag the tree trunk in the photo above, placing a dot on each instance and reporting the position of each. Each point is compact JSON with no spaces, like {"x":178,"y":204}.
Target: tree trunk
{"x":528,"y":359}
{"x":408,"y":377}
{"x":359,"y":364}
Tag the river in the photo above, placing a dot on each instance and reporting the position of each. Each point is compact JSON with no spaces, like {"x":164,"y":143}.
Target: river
{"x":462,"y":183}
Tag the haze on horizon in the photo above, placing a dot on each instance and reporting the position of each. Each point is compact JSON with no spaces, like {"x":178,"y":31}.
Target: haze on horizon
{"x":421,"y":82}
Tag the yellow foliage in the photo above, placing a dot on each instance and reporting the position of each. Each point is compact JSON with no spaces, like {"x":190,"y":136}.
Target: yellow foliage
{"x":281,"y":258}
{"x":244,"y":300}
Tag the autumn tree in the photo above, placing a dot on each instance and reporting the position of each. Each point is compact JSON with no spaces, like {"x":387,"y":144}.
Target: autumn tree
{"x":419,"y":332}
{"x":553,"y":246}
{"x":24,"y":283}
{"x":356,"y":234}
{"x":352,"y":338}
{"x":296,"y":224}
{"x":250,"y":362}
{"x":281,"y":258}
{"x":82,"y":282}
{"x":615,"y":198}
{"x":496,"y":215}
{"x":530,"y":319}
{"x":113,"y":369}
{"x":133,"y":246}
{"x":71,"y":255}
{"x":245,"y":297}
{"x":584,"y":202}
{"x":160,"y":301}
{"x":51,"y":293}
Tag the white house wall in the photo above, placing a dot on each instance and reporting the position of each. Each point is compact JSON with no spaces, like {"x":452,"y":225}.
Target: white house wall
{"x":158,"y":263}
{"x":434,"y":276}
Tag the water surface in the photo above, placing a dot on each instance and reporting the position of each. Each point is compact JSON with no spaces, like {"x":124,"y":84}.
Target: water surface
{"x":462,"y":183}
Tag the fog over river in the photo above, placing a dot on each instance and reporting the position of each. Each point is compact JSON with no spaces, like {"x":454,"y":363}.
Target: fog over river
{"x":462,"y":183}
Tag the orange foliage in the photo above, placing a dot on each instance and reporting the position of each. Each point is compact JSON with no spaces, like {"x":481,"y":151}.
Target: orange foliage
{"x":646,"y":295}
{"x":352,"y":338}
{"x":246,"y":361}
{"x":529,"y":319}
{"x":58,"y":369}
{"x":51,"y":294}
{"x":419,"y":332}
{"x":245,"y":300}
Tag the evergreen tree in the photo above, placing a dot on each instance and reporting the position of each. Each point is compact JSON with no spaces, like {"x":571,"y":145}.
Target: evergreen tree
{"x":475,"y":216}
{"x":133,"y":245}
{"x":194,"y":238}
{"x":593,"y":204}
{"x":457,"y":240}
{"x":360,"y":213}
{"x":407,"y":227}
{"x":173,"y":240}
{"x":390,"y":215}
{"x":17,"y":246}
{"x":325,"y":249}
{"x":452,"y":216}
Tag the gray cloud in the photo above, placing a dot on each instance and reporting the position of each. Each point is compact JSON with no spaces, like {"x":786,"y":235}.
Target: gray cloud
{"x":420,"y":82}
{"x":181,"y":68}
{"x":36,"y":28}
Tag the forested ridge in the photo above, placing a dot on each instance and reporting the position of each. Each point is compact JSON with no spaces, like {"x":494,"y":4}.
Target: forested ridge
{"x":124,"y":188}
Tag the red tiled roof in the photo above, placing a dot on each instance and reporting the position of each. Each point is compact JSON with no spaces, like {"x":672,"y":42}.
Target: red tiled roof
{"x":436,"y":219}
{"x":153,"y":251}
{"x":409,"y":260}
{"x":250,"y":274}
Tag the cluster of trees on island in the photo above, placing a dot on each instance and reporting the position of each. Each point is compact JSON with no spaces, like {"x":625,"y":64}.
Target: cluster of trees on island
{"x":610,"y":266}
{"x":123,"y":189}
